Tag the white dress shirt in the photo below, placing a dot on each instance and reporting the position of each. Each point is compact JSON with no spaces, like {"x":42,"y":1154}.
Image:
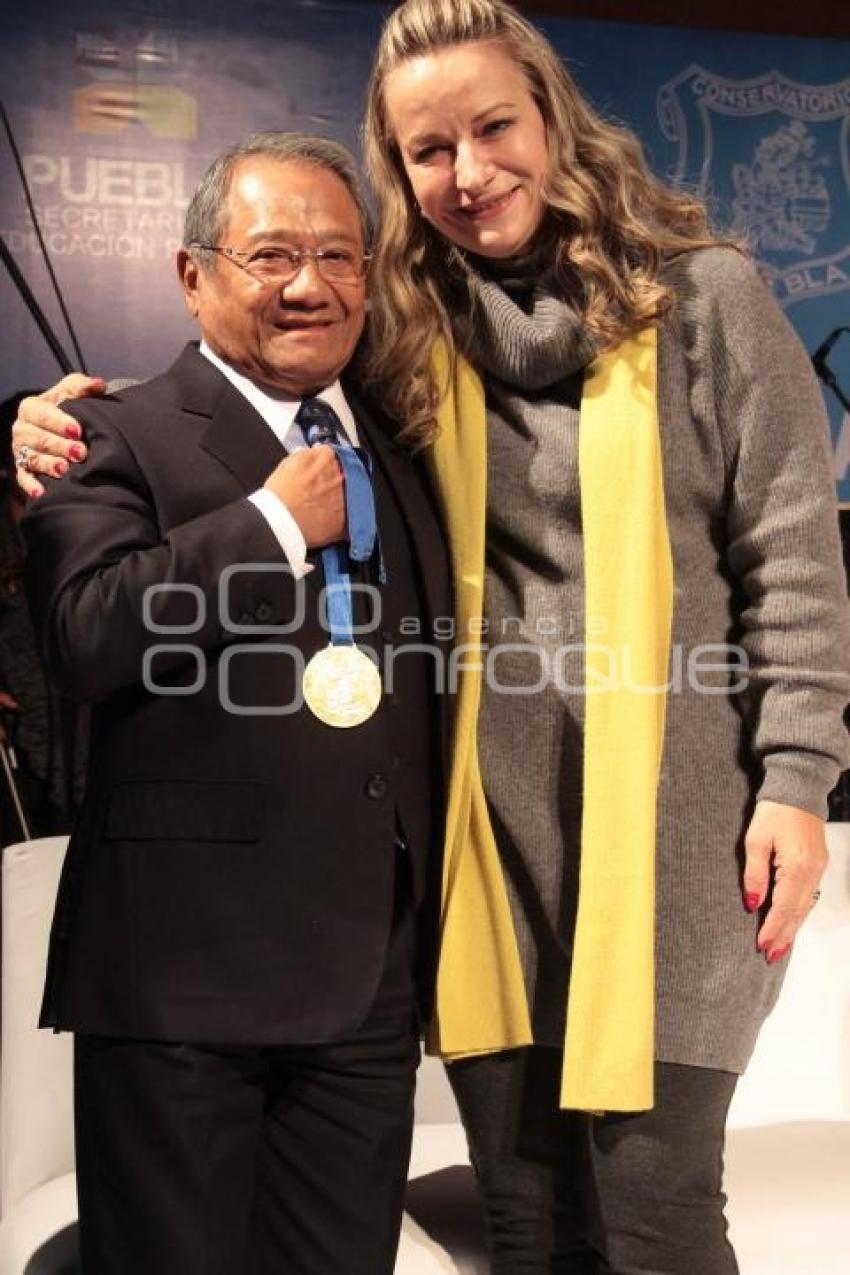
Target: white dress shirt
{"x":279,"y":412}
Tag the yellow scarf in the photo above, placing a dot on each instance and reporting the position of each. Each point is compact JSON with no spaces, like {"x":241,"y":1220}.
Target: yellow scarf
{"x":481,"y":1003}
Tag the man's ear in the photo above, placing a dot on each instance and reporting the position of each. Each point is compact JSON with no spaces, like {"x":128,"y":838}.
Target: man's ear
{"x":188,"y":273}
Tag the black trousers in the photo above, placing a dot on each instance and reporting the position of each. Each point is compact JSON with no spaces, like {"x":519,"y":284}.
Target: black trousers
{"x":573,"y":1194}
{"x":198,"y":1160}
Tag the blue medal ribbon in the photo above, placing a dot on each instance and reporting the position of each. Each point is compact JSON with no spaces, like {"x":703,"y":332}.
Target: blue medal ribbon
{"x":322,"y":426}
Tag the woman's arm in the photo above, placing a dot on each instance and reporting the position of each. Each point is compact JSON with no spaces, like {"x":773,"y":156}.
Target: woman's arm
{"x":783,"y":547}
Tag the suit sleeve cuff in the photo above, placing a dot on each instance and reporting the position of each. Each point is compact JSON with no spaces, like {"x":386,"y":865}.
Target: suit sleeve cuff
{"x":285,"y":528}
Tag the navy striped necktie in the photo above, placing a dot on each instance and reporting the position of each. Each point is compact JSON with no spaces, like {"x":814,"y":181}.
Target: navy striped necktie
{"x":318,"y":422}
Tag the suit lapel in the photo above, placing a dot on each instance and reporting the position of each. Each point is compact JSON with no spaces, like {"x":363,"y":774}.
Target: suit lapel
{"x":241,"y":440}
{"x":237,"y":436}
{"x":418,"y":510}
{"x":402,"y":474}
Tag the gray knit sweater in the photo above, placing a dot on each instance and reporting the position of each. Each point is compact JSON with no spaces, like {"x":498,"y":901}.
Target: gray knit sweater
{"x":750,"y":508}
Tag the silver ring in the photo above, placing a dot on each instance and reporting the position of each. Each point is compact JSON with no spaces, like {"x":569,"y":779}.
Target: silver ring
{"x":22,"y":456}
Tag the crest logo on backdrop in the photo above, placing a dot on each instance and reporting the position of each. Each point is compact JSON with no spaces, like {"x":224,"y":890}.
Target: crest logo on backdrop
{"x":775,"y":155}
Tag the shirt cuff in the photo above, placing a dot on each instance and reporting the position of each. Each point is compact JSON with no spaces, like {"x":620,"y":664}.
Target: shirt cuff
{"x":286,"y":530}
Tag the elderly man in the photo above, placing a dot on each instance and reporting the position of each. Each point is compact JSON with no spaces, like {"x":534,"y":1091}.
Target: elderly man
{"x":235,"y":933}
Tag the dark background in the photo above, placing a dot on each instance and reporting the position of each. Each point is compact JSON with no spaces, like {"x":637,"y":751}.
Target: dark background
{"x":783,"y":17}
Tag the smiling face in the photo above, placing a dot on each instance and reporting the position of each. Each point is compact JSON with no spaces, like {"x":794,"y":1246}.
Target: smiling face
{"x":296,"y":338}
{"x":473,"y":144}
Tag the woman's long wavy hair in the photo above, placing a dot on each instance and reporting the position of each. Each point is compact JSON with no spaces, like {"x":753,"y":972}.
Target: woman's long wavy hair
{"x":611,"y":223}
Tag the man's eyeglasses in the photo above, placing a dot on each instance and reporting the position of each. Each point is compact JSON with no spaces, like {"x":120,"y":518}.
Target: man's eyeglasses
{"x":280,"y":263}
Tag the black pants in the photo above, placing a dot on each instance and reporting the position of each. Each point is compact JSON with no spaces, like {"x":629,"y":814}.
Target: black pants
{"x":573,"y":1194}
{"x":197,"y":1160}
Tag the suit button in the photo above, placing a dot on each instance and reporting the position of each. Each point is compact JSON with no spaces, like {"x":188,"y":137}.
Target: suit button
{"x":263,"y":612}
{"x":376,"y":788}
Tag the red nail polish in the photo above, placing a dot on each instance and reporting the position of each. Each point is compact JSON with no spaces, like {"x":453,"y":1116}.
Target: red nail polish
{"x":72,"y":431}
{"x":60,"y":468}
{"x":751,"y":902}
{"x":77,"y":452}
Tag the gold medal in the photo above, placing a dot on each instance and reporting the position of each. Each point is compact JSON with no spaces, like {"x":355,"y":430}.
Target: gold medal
{"x":342,"y":686}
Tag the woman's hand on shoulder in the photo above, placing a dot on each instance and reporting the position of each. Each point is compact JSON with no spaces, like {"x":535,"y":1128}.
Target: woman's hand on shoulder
{"x":47,"y":440}
{"x":785,"y":858}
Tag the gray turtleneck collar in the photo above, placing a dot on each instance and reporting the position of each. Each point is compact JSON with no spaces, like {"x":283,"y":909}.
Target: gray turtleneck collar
{"x":531,"y":338}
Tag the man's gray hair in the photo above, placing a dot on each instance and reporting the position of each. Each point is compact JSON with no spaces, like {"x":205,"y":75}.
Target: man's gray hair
{"x":207,"y":214}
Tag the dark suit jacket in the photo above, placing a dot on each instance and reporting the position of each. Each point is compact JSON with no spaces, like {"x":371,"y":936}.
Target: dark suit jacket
{"x":231,"y":876}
